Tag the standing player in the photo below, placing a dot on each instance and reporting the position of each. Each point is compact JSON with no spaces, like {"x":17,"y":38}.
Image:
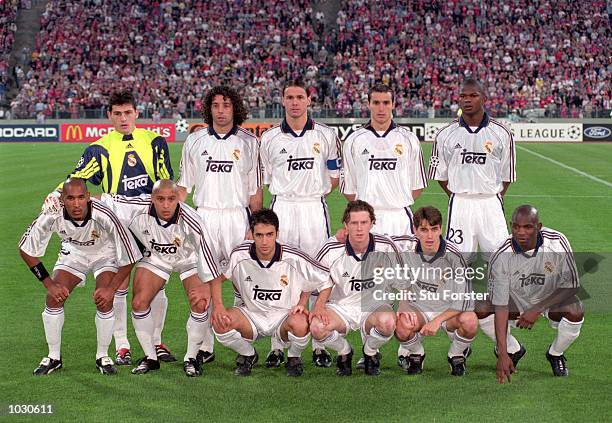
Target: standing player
{"x":126,"y":161}
{"x":383,"y":165}
{"x":441,"y":295}
{"x":351,"y":305}
{"x":533,"y":273}
{"x":301,"y":166}
{"x":174,"y":240}
{"x":93,"y":240}
{"x":473,"y":159}
{"x":274,"y":282}
{"x":222,"y":162}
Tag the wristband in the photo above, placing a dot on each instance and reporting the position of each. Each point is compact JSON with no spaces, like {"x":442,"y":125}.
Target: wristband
{"x":39,"y":271}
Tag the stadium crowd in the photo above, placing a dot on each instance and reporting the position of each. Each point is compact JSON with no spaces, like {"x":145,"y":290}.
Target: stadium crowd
{"x":532,"y":55}
{"x":8,"y":16}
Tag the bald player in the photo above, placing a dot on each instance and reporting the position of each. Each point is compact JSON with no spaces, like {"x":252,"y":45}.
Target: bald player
{"x":92,"y":240}
{"x":473,"y":159}
{"x":173,"y":239}
{"x":533,"y":274}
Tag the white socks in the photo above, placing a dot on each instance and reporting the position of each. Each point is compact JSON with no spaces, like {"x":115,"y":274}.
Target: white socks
{"x":105,"y":322}
{"x":120,"y":306}
{"x":234,"y":341}
{"x":159,"y":306}
{"x":459,"y":345}
{"x":567,"y":332}
{"x":488,"y":327}
{"x":297,"y":344}
{"x":337,"y":342}
{"x":195,"y":333}
{"x":374,"y":340}
{"x":53,"y":321}
{"x":413,"y":345}
{"x":144,"y":327}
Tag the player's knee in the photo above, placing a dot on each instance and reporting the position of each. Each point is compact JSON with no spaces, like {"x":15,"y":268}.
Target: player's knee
{"x":386,"y":324}
{"x":403,"y":331}
{"x":483,"y":309}
{"x":468,"y":322}
{"x":105,"y":309}
{"x":298,"y":325}
{"x":140,"y":304}
{"x":198,"y":308}
{"x":52,"y":303}
{"x":574,"y":313}
{"x":218,"y":330}
{"x":317,"y":329}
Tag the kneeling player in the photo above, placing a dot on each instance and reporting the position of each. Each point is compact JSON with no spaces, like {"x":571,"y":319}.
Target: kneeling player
{"x":350,"y":305}
{"x":533,"y":273}
{"x":174,"y":240}
{"x":93,"y":240}
{"x":274,"y":282}
{"x":440,"y":296}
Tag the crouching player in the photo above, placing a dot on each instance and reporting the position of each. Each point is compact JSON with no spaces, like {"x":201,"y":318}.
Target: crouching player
{"x":533,"y":273}
{"x":439,"y":294}
{"x":93,"y":240}
{"x":274,"y":282}
{"x":351,"y":304}
{"x":174,"y":240}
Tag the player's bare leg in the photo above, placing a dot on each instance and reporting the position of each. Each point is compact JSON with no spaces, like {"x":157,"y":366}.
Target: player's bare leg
{"x":568,"y":320}
{"x":237,"y":334}
{"x":332,"y":334}
{"x":146,"y":286}
{"x":53,"y":322}
{"x":379,"y":329}
{"x":462,"y":328}
{"x":122,"y":345}
{"x":411,"y":353}
{"x":105,"y":322}
{"x":197,"y":324}
{"x":295,"y":331}
{"x":486,"y":320}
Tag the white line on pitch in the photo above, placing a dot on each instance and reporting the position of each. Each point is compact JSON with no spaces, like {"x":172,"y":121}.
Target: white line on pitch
{"x":563,"y":165}
{"x":537,"y":195}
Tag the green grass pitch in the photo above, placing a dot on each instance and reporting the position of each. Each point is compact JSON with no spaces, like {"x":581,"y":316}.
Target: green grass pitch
{"x":572,"y":203}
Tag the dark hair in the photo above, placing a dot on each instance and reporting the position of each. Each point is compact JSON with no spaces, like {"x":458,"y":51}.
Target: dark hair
{"x":75,"y":181}
{"x":299,"y":82}
{"x":428,"y":213}
{"x":357,"y":206}
{"x":381,"y":88}
{"x":471,"y":82}
{"x":119,"y":98}
{"x":240,"y":113}
{"x":265,"y":216}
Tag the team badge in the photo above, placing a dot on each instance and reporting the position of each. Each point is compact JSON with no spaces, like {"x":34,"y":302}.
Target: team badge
{"x":236,"y":154}
{"x":95,"y":234}
{"x":284,"y":280}
{"x":488,"y":146}
{"x":177,"y":241}
{"x":399,"y":149}
{"x":131,"y":161}
{"x":316,"y":148}
{"x":548,"y":267}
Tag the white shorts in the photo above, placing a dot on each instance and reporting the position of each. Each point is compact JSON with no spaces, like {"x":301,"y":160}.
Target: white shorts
{"x":476,"y":220}
{"x":304,"y":222}
{"x":226,"y":229}
{"x":393,"y":221}
{"x":80,"y":265}
{"x":185,"y":268}
{"x":268,"y":324}
{"x":354,"y":318}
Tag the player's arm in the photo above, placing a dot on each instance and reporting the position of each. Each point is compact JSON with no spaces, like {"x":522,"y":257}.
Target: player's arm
{"x":508,"y":163}
{"x":256,"y":200}
{"x":416,"y":172}
{"x":186,"y":178}
{"x":438,"y":163}
{"x":318,"y":309}
{"x":444,"y":186}
{"x":431,"y":328}
{"x":334,"y":161}
{"x":55,"y":290}
{"x":348,"y":182}
{"x":505,"y":367}
{"x":255,"y":179}
{"x":161,"y":158}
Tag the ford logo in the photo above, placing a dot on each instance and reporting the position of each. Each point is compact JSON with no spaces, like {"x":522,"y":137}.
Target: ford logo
{"x":597,"y":132}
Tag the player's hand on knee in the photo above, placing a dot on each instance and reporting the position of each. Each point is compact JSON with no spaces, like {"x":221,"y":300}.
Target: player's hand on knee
{"x":199,"y":296}
{"x":299,"y":309}
{"x":220,"y":317}
{"x":320,"y":313}
{"x":53,"y":205}
{"x":505,"y":368}
{"x":58,"y":292}
{"x":408,"y":318}
{"x":430,"y":328}
{"x":104,"y":297}
{"x":527,"y":319}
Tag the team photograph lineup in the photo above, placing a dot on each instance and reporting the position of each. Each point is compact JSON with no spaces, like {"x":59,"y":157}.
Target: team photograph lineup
{"x":294,"y":280}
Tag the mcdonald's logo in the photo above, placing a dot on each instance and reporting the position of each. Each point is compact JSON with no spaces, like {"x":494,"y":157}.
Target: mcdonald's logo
{"x":73,"y":133}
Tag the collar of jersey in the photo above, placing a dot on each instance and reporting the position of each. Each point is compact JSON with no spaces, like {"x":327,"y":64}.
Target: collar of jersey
{"x":484,"y":122}
{"x":391,"y":127}
{"x":172,"y":220}
{"x":87,"y":216}
{"x":518,"y":250}
{"x":278,"y":251}
{"x":351,"y":252}
{"x":211,"y":131}
{"x":285,"y":128}
{"x":439,"y":253}
{"x":128,"y":137}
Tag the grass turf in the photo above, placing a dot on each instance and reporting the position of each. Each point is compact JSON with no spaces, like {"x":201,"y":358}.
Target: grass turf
{"x":571,"y":203}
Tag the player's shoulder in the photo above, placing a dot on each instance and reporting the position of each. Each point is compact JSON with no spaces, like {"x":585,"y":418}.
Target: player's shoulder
{"x":242,"y":250}
{"x":189,"y":215}
{"x":331,"y":247}
{"x":325,"y":129}
{"x":290,"y":253}
{"x":447,"y":129}
{"x":147,"y":134}
{"x":357,"y":133}
{"x":384,"y":243}
{"x":405,"y":242}
{"x":246,"y":135}
{"x":453,"y":252}
{"x":555,"y":238}
{"x":499,"y":126}
{"x":270,"y":133}
{"x":196,"y":136}
{"x":101,"y":210}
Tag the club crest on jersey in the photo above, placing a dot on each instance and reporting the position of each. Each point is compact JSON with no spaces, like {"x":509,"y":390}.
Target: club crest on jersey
{"x":488,"y":146}
{"x":470,"y":157}
{"x":131,"y":160}
{"x":300,"y":163}
{"x":266,"y":294}
{"x":236,"y":154}
{"x":548,"y":267}
{"x":383,"y":163}
{"x":94,"y":234}
{"x":399,"y":149}
{"x":284,"y":280}
{"x":316,"y":148}
{"x":177,"y":241}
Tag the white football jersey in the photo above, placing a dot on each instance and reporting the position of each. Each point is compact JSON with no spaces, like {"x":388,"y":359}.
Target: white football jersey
{"x":438,"y":282}
{"x":101,"y":230}
{"x":180,"y":239}
{"x":126,"y":207}
{"x":225,"y":170}
{"x":300,"y":165}
{"x":473,"y":161}
{"x":277,"y":284}
{"x":528,"y":277}
{"x":352,"y":275}
{"x":383,"y":169}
